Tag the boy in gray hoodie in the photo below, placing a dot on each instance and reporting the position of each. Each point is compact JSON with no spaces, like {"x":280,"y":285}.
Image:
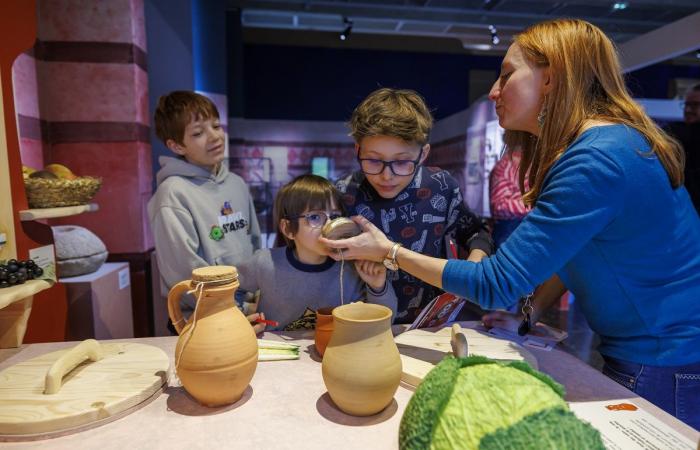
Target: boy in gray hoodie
{"x":201,"y":214}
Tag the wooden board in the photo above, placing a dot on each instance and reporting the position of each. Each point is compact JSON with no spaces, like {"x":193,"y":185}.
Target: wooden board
{"x":422,"y":349}
{"x":124,"y":378}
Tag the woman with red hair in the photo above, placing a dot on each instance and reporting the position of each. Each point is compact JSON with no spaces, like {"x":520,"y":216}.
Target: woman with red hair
{"x":610,"y":219}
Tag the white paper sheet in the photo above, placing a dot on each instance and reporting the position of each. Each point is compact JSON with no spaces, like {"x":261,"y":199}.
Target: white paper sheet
{"x":624,"y":425}
{"x":542,"y":336}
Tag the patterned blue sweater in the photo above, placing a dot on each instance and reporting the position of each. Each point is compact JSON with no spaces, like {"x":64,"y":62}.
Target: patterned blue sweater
{"x":423,"y":217}
{"x":626,"y":243}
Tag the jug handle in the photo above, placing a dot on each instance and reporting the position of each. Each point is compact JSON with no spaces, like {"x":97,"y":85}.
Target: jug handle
{"x":174,"y":310}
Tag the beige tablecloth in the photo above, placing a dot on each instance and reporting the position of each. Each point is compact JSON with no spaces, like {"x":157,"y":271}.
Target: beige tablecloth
{"x":287,"y":407}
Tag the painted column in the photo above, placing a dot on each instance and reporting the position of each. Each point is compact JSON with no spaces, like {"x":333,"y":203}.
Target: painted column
{"x":93,"y":98}
{"x":83,"y":102}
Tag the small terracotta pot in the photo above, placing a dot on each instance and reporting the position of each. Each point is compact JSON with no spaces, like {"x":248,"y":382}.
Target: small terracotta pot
{"x":324,"y":328}
{"x":361,"y":367}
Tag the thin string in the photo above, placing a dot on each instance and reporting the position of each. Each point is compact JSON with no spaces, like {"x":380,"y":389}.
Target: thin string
{"x":199,"y":290}
{"x":342,"y":265}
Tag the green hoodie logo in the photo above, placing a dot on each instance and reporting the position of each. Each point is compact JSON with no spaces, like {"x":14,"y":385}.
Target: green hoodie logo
{"x":216,"y":233}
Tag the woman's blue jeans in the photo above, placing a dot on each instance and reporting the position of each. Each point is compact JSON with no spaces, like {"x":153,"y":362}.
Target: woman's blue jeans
{"x":675,"y":389}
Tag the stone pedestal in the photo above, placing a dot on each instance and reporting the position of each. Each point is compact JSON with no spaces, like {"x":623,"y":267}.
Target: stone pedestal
{"x":99,"y":304}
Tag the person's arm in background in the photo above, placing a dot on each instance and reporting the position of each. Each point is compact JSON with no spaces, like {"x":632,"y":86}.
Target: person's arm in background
{"x":545,"y":295}
{"x":466,"y":228}
{"x":505,"y":196}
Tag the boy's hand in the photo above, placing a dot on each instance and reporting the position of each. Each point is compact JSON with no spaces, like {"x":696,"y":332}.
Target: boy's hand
{"x":372,"y":273}
{"x":476,"y":255}
{"x":257,"y":327}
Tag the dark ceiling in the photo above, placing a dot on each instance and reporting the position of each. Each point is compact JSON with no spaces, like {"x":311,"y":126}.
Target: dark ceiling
{"x":450,"y":22}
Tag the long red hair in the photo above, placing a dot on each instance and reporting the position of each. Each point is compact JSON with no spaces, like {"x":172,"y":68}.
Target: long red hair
{"x":587,"y":85}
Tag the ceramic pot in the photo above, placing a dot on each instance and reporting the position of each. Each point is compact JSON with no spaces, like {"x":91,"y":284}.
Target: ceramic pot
{"x":217,"y":352}
{"x":361,"y":366}
{"x":324,"y":329}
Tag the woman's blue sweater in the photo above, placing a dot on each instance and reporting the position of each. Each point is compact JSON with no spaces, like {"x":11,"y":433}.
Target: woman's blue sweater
{"x":627,"y":244}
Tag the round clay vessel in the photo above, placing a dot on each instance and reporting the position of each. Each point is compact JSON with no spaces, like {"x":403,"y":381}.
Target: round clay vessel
{"x":324,"y":329}
{"x":340,"y":228}
{"x":361,"y":366}
{"x":216,"y":356}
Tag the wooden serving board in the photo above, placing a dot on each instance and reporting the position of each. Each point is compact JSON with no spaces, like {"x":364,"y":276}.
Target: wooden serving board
{"x":421,"y":349}
{"x":91,"y":394}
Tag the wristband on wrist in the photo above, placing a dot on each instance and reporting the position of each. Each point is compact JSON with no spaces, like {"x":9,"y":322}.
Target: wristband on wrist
{"x":481,"y":241}
{"x":390,"y":259}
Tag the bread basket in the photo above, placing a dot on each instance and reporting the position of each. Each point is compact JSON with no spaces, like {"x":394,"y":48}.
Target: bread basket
{"x":54,"y":193}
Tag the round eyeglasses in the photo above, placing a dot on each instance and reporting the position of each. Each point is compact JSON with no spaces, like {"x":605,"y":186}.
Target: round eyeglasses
{"x":316,"y":219}
{"x":399,"y":167}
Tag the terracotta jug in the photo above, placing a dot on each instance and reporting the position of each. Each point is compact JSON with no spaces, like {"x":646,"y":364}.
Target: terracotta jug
{"x":217,"y":352}
{"x":361,"y":366}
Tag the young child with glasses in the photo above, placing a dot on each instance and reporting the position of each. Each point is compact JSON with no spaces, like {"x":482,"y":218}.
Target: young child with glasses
{"x":298,"y":277}
{"x":419,"y":207}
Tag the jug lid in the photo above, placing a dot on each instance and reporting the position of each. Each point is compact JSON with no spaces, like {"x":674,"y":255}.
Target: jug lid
{"x":215,"y":273}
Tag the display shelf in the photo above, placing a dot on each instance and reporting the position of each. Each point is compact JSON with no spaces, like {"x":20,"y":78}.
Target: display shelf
{"x":24,"y":234}
{"x":15,"y":308}
{"x":20,"y":291}
{"x":51,"y":213}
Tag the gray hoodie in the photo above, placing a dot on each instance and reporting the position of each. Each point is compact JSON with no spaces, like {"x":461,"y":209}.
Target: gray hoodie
{"x":200,"y":219}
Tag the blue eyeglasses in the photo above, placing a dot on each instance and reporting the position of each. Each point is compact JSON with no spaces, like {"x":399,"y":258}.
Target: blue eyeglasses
{"x":399,"y":167}
{"x":316,"y":219}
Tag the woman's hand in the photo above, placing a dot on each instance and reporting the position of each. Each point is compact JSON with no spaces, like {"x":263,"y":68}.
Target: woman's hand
{"x":372,"y":273}
{"x":257,"y":327}
{"x":502,"y":319}
{"x":371,"y":245}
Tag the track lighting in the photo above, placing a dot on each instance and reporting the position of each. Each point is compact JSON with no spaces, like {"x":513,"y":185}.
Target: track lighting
{"x":495,"y":40}
{"x":348,"y":29}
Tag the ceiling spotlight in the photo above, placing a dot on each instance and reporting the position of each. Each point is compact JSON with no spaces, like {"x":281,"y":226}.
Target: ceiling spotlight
{"x":619,"y":6}
{"x":348,"y":29}
{"x":495,"y":40}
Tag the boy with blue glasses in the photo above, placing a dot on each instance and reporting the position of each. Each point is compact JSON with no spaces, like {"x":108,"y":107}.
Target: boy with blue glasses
{"x":419,"y":207}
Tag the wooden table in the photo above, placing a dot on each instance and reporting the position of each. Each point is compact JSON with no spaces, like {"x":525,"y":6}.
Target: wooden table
{"x":287,"y":407}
